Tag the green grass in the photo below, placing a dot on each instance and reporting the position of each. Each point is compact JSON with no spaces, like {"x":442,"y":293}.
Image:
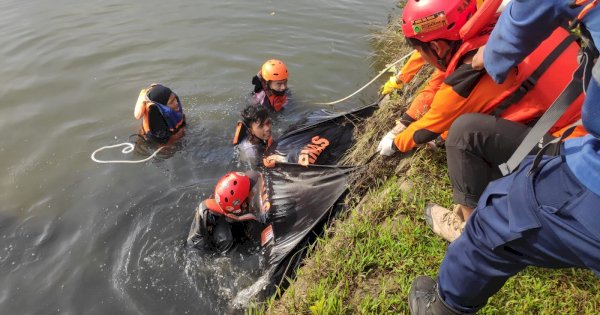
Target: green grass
{"x":366,"y":262}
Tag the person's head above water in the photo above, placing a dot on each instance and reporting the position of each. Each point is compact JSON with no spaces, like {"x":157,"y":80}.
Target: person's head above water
{"x":271,"y":85}
{"x":232,"y":192}
{"x":257,"y":121}
{"x":162,"y":113}
{"x":275,"y":75}
{"x":162,"y":95}
{"x":432,"y":27}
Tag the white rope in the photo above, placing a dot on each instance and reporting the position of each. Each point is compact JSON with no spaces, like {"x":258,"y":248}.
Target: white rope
{"x":369,"y":83}
{"x":128,"y":148}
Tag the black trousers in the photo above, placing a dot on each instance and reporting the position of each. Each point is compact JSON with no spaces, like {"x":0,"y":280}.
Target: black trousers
{"x":477,"y":144}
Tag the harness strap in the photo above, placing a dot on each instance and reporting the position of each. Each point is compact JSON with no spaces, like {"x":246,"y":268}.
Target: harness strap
{"x":590,"y":53}
{"x":531,"y":81}
{"x":552,"y":114}
{"x":540,"y":154}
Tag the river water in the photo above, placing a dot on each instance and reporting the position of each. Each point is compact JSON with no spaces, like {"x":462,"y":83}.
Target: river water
{"x":79,"y":237}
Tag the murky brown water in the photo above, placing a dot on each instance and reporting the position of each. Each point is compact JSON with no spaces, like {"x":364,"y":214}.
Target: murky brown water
{"x":78,"y":237}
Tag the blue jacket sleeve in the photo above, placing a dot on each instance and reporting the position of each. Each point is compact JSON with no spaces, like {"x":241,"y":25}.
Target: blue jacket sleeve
{"x":523,"y":25}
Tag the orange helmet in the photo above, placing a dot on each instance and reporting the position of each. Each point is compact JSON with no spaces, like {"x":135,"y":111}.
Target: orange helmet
{"x":232,"y":190}
{"x":274,"y":70}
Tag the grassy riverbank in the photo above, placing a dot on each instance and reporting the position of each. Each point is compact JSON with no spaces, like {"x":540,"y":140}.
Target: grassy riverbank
{"x":367,"y":259}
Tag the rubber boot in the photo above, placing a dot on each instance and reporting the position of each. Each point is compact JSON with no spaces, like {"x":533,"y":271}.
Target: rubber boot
{"x":424,"y":298}
{"x":446,"y":223}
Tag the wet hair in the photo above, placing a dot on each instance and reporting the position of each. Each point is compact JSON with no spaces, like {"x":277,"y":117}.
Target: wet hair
{"x":254,"y":114}
{"x":257,"y":81}
{"x":160,"y":94}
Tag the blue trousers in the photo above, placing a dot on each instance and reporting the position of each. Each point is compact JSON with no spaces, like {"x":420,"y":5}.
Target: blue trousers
{"x":547,"y":219}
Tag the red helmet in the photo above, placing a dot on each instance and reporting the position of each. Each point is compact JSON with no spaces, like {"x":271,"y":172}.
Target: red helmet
{"x":232,"y":190}
{"x":274,"y":70}
{"x":427,"y":20}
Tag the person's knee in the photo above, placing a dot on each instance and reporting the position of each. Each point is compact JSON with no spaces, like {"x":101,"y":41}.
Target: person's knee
{"x":464,"y":127}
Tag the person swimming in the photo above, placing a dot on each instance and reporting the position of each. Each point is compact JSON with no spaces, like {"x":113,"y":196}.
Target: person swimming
{"x":253,"y":135}
{"x":271,"y":86}
{"x":225,"y":217}
{"x":163,"y":120}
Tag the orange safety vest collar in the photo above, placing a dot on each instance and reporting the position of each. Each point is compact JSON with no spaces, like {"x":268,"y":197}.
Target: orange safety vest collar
{"x":476,"y":32}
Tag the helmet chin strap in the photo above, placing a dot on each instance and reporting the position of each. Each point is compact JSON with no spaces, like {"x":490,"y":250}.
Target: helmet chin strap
{"x":441,"y":60}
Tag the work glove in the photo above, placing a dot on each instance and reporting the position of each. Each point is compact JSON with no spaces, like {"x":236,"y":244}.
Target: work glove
{"x":271,"y":160}
{"x":390,"y":86}
{"x":386,"y":145}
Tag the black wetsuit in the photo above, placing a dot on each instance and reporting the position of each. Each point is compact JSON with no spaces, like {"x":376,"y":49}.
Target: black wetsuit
{"x":210,"y":230}
{"x":251,"y":154}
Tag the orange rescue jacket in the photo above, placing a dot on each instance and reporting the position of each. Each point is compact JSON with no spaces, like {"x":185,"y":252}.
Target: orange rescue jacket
{"x":465,"y":90}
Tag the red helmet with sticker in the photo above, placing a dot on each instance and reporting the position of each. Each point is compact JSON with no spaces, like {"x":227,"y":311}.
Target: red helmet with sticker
{"x":232,"y":190}
{"x":428,"y":20}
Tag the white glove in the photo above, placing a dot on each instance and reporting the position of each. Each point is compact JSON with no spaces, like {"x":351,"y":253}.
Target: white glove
{"x":386,"y":145}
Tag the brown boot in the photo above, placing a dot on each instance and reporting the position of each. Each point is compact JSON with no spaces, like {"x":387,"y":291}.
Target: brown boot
{"x":456,"y":209}
{"x":446,"y":223}
{"x":424,"y":299}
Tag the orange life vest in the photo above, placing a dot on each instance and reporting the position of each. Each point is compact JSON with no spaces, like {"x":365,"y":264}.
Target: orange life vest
{"x":278,"y":101}
{"x":174,"y":117}
{"x":539,"y":95}
{"x":260,"y":96}
{"x":212,"y":206}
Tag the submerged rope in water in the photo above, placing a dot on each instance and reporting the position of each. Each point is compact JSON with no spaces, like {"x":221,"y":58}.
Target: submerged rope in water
{"x":128,"y":148}
{"x":369,"y":83}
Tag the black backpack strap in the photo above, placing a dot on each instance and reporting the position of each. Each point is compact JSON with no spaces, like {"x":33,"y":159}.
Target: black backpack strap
{"x":549,"y":118}
{"x":540,"y":154}
{"x":588,"y":52}
{"x":531,"y":81}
